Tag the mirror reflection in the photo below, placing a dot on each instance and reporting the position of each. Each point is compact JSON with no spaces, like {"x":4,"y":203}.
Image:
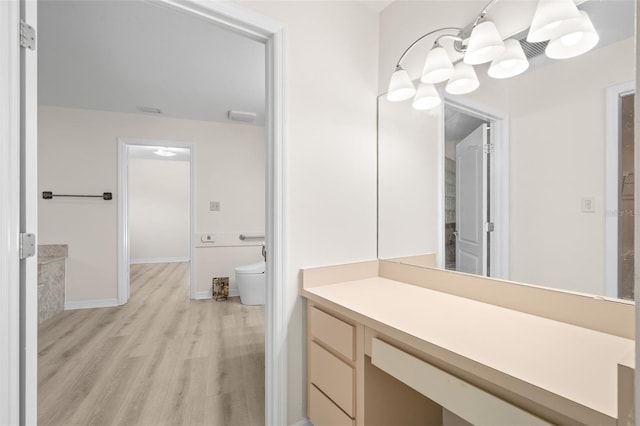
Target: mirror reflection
{"x":528,"y":178}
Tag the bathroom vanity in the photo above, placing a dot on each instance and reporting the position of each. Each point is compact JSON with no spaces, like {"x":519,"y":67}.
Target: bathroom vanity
{"x":394,"y":343}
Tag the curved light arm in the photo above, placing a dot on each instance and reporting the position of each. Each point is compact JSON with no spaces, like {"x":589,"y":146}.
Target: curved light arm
{"x":484,"y":12}
{"x":408,"y":49}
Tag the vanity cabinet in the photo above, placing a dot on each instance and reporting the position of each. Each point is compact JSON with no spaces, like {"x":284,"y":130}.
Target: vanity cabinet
{"x":331,"y":356}
{"x":381,"y":351}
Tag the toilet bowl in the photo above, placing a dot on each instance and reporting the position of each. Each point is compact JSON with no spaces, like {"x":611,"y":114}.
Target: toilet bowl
{"x":252,"y":283}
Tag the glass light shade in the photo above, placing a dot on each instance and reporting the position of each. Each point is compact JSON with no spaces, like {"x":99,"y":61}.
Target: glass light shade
{"x":576,"y":39}
{"x":484,"y":45}
{"x":550,"y":18}
{"x":400,"y":87}
{"x":427,"y":97}
{"x":437,"y":66}
{"x":511,"y":63}
{"x":463,"y":81}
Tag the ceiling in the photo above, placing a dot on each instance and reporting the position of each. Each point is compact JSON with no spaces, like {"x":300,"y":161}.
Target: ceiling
{"x":123,"y":55}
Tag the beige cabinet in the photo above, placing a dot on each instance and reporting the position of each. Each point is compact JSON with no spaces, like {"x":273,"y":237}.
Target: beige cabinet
{"x":331,"y":363}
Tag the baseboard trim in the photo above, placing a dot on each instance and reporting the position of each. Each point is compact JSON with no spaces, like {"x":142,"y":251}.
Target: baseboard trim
{"x":90,"y":304}
{"x":160,"y":260}
{"x":303,"y":422}
{"x":203,"y":295}
{"x":200,"y":295}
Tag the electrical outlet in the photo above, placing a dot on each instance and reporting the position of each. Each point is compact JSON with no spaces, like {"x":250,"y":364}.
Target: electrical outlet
{"x":214,"y":206}
{"x":208,"y":238}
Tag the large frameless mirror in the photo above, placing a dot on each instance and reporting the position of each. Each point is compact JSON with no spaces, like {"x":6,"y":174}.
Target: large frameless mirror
{"x":528,"y":178}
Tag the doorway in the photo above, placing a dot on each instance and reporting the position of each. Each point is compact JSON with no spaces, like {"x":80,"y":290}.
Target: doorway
{"x":251,"y":25}
{"x":159,"y":227}
{"x":620,"y":177}
{"x":474,"y":229}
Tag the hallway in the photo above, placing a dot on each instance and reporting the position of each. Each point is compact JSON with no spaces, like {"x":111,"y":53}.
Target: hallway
{"x":161,"y":359}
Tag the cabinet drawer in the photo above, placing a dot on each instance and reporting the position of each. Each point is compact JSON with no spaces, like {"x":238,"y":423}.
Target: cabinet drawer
{"x":323,"y":412}
{"x":332,"y":376}
{"x":335,"y":333}
{"x":463,"y":399}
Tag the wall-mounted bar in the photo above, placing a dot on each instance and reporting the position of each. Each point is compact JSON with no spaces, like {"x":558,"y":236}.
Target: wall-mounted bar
{"x":47,"y":195}
{"x":245,"y":237}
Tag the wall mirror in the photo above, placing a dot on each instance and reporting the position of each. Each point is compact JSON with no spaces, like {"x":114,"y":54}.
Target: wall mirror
{"x":529,"y":178}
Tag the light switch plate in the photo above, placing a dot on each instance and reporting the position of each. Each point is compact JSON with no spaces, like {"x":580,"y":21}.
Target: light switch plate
{"x":588,"y":205}
{"x":214,"y":206}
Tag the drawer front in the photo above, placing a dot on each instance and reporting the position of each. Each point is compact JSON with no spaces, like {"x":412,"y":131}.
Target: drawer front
{"x":323,"y":412}
{"x":332,"y":376}
{"x":461,"y":398}
{"x":335,"y":333}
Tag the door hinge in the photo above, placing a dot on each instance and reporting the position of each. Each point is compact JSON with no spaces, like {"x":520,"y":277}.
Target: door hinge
{"x":487,"y":148}
{"x":488,"y":227}
{"x":27,"y":36}
{"x":27,"y":245}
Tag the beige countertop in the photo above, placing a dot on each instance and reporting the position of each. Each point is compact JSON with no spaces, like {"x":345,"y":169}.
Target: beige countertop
{"x":572,"y":362}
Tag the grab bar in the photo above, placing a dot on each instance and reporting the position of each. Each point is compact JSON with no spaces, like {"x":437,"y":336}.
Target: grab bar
{"x":245,"y":237}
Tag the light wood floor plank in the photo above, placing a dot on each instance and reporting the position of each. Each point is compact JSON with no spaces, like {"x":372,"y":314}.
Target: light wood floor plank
{"x":161,"y":359}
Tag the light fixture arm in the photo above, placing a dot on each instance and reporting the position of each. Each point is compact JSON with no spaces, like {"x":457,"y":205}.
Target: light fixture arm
{"x":408,"y":49}
{"x":465,"y":33}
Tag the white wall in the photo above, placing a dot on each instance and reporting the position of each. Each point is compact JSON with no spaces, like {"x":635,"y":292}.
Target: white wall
{"x":557,"y":139}
{"x":408,"y":219}
{"x":331,"y":80}
{"x":158,"y":210}
{"x":77,"y":153}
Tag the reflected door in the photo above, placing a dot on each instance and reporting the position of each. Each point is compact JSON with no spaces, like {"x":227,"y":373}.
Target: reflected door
{"x":626,"y":200}
{"x":471,"y":190}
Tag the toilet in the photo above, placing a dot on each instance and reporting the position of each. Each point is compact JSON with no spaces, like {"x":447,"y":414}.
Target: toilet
{"x":252,"y":283}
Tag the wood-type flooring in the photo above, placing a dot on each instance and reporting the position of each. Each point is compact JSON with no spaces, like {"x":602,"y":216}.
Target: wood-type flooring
{"x":161,"y":359}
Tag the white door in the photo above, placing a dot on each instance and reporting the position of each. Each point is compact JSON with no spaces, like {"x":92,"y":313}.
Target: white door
{"x":471,"y":194}
{"x":18,"y":214}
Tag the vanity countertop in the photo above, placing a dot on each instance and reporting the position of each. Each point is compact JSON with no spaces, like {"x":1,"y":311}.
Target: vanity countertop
{"x":567,"y":362}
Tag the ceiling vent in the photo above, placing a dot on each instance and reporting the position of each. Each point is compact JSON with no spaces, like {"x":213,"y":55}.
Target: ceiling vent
{"x":245,"y":117}
{"x":531,"y":50}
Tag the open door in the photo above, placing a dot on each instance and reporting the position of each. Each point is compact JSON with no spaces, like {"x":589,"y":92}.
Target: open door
{"x":18,"y":213}
{"x":471,"y":202}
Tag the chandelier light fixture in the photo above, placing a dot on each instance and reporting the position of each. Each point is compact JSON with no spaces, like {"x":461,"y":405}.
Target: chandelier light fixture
{"x":568,"y":30}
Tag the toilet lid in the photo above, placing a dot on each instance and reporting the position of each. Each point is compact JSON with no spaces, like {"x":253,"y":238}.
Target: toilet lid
{"x":254,"y":268}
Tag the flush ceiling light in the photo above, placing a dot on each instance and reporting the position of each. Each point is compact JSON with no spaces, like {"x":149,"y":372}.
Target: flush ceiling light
{"x":549,"y":18}
{"x":164,"y":152}
{"x":484,"y":45}
{"x":511,"y":63}
{"x":427,"y":97}
{"x":400,"y":87}
{"x":463,"y":81}
{"x":578,"y":38}
{"x":437,"y":66}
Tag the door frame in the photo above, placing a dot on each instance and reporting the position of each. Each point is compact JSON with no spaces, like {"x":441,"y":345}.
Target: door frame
{"x":612,"y":201}
{"x":498,"y":181}
{"x":10,"y":388}
{"x":253,"y":25}
{"x":124,"y":283}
